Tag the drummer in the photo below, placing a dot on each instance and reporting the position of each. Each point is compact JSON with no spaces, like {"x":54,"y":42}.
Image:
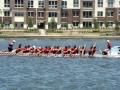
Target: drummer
{"x":10,"y":46}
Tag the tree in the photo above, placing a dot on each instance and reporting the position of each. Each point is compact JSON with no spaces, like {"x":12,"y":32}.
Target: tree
{"x":14,"y":25}
{"x":66,"y":25}
{"x":106,"y":23}
{"x":52,"y":24}
{"x":117,"y":26}
{"x":30,"y":23}
{"x":1,"y":25}
{"x":96,"y":25}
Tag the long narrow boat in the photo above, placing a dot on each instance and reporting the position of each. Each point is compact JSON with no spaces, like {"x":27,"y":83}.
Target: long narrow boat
{"x":114,"y":53}
{"x":57,"y":55}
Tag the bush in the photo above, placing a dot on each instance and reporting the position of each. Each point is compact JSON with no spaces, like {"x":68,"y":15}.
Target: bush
{"x":96,"y":25}
{"x":52,"y":24}
{"x":54,"y":31}
{"x":30,"y":23}
{"x":1,"y":25}
{"x":96,"y":31}
{"x":117,"y":26}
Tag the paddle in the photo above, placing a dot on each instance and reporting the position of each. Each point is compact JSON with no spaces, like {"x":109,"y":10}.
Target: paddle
{"x":60,"y":48}
{"x":93,"y":48}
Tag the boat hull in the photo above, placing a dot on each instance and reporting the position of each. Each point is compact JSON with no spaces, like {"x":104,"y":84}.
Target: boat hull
{"x":56,"y":55}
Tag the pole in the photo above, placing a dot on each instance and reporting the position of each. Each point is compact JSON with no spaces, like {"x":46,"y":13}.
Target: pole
{"x":36,"y":17}
{"x":1,"y":13}
{"x":117,"y":14}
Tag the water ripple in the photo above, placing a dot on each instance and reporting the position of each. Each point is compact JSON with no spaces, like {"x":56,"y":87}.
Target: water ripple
{"x":42,"y":73}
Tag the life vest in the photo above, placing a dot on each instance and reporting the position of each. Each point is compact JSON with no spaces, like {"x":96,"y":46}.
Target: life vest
{"x":10,"y":45}
{"x":27,"y":50}
{"x":74,"y":50}
{"x":65,"y":50}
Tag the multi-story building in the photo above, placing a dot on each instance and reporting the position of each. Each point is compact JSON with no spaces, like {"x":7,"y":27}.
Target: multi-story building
{"x":74,"y":13}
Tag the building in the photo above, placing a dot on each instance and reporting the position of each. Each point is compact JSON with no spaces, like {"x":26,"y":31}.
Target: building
{"x":74,"y":13}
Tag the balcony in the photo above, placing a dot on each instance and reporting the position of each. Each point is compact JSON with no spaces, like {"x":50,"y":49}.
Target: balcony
{"x":88,"y":5}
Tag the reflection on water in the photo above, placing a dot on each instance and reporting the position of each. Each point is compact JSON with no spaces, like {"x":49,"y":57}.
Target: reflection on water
{"x":42,"y":73}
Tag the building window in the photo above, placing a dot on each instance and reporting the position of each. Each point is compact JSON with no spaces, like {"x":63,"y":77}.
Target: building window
{"x":53,"y":4}
{"x":87,"y":24}
{"x":99,"y":13}
{"x":30,"y":14}
{"x":75,"y":13}
{"x":19,"y":3}
{"x":52,"y":14}
{"x":30,"y":3}
{"x":100,"y":3}
{"x":87,"y":4}
{"x":76,"y":23}
{"x":19,"y":25}
{"x":19,"y":14}
{"x":64,"y":14}
{"x":41,"y":3}
{"x":110,"y":3}
{"x":87,"y":14}
{"x":64,"y":4}
{"x":6,"y":13}
{"x":7,"y":24}
{"x":75,"y":3}
{"x":6,"y":3}
{"x":110,"y":13}
{"x":40,"y":14}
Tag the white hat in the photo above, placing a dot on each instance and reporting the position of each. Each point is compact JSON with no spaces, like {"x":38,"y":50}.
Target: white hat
{"x":14,"y":41}
{"x":108,"y":40}
{"x":34,"y":47}
{"x":39,"y":47}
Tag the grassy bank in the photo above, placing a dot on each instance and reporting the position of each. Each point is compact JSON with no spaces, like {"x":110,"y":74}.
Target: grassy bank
{"x":59,"y":34}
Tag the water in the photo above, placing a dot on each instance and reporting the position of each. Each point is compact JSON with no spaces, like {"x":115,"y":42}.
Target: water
{"x":42,"y":73}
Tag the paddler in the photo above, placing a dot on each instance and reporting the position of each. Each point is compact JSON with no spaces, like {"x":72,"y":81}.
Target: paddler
{"x":59,"y":50}
{"x":65,"y":49}
{"x":92,"y":50}
{"x":19,"y":48}
{"x":74,"y":50}
{"x":20,"y":45}
{"x":108,"y":50}
{"x":69,"y":50}
{"x":82,"y":51}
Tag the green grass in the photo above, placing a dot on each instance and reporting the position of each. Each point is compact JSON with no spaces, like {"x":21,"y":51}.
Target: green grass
{"x":31,"y":31}
{"x":96,"y":31}
{"x":54,"y":31}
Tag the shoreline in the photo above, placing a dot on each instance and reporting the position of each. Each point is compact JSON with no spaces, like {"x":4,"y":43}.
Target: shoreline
{"x":61,"y":36}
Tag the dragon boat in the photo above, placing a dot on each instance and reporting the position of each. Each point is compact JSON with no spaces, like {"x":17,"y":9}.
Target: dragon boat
{"x":113,"y":53}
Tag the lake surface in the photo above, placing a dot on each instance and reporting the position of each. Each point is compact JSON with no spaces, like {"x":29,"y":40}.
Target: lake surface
{"x":43,"y":73}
